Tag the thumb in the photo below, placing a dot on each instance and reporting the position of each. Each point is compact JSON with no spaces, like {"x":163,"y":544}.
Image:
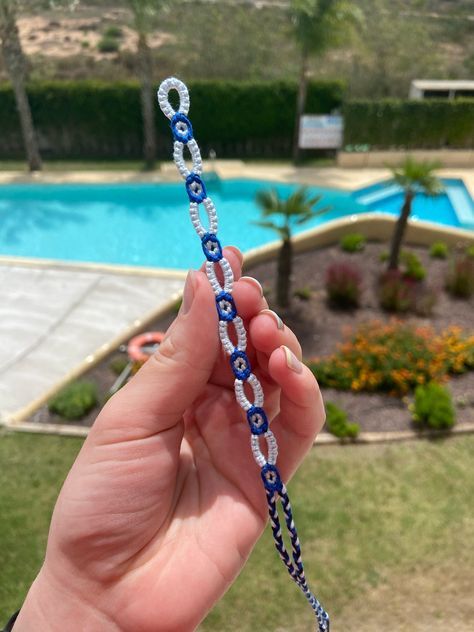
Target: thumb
{"x":168,"y":383}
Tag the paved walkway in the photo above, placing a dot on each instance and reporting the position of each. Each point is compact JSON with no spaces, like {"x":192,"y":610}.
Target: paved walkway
{"x":53,"y":319}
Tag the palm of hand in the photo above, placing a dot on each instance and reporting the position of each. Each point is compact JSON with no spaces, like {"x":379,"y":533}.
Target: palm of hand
{"x":166,"y":519}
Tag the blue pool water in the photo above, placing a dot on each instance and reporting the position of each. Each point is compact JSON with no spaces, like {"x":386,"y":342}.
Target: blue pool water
{"x":148,"y":224}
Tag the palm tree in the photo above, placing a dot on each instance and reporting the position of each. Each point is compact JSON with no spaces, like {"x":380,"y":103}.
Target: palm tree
{"x":294,"y":211}
{"x":143,"y":13}
{"x":319,"y":25}
{"x":15,"y":65}
{"x":414,"y":177}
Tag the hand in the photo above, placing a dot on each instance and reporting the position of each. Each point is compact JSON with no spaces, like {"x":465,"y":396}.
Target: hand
{"x":164,"y":503}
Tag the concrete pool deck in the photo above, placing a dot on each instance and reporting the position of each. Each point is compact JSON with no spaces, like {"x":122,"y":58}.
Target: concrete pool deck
{"x":57,"y":319}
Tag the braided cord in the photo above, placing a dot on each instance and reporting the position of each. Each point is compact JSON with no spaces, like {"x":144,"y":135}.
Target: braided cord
{"x":257,"y":419}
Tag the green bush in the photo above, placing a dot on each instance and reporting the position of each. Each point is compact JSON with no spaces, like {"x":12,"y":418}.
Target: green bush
{"x":354,"y":242}
{"x":337,"y":424}
{"x":113,"y":31}
{"x":303,"y":293}
{"x":108,"y":45}
{"x":470,"y":251}
{"x":460,"y":277}
{"x":433,"y":407}
{"x":75,"y":400}
{"x":407,"y":124}
{"x":95,"y":119}
{"x":412,"y":266}
{"x":439,"y":250}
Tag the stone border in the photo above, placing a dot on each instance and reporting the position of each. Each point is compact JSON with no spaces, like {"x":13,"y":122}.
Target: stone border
{"x":324,"y":439}
{"x":374,"y":226}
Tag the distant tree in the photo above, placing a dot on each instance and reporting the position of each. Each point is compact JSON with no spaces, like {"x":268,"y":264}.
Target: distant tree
{"x":294,"y":211}
{"x":15,"y":65}
{"x":319,"y":25}
{"x":144,"y":14}
{"x":414,"y":177}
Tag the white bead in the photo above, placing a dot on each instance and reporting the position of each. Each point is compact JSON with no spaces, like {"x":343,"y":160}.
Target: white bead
{"x":179,"y":158}
{"x":227,"y":343}
{"x":242,"y":399}
{"x":272,"y":448}
{"x":172,"y":83}
{"x":211,"y":216}
{"x":227,"y":272}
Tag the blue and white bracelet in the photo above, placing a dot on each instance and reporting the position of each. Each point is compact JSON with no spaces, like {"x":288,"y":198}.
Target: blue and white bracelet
{"x":259,"y":425}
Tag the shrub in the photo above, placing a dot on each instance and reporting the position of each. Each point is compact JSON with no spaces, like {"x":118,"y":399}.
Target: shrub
{"x":409,"y":124}
{"x":354,"y":242}
{"x":400,"y":294}
{"x":337,"y":424}
{"x":460,"y":277}
{"x":439,"y":250}
{"x":343,"y":285}
{"x":108,"y":45}
{"x":395,"y":358}
{"x":395,"y":292}
{"x":433,"y":407}
{"x":470,"y":251}
{"x":75,"y":400}
{"x":303,"y":293}
{"x":113,"y":32}
{"x":412,"y":266}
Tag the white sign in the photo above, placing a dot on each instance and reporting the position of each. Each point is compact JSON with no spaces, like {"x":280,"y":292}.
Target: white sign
{"x":320,"y":131}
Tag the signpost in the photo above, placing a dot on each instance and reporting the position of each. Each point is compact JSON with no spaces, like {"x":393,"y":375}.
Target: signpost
{"x":320,"y":131}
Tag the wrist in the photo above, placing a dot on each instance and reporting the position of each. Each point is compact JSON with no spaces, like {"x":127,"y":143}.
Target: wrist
{"x":52,"y":606}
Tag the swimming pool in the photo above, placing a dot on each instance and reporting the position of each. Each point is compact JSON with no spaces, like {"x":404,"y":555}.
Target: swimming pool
{"x":148,"y":224}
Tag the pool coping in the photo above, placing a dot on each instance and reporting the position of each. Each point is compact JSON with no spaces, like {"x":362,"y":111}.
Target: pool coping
{"x":374,"y":225}
{"x":323,"y":439}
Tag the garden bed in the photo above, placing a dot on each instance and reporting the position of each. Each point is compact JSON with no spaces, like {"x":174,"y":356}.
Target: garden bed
{"x":321,"y":328}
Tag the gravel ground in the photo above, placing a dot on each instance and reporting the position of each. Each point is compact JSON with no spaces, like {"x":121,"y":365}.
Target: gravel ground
{"x":320,"y":328}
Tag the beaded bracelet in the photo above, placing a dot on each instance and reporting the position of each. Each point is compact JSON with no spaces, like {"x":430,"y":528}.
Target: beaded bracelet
{"x":259,"y":425}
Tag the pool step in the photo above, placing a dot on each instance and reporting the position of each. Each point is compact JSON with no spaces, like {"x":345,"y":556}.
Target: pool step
{"x":380,"y":194}
{"x":463,"y":205}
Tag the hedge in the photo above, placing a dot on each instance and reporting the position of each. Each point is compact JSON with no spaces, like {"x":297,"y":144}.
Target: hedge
{"x":393,"y":123}
{"x":93,"y":119}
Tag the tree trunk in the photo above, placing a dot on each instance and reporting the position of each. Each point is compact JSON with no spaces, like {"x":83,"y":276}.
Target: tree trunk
{"x":399,"y":232}
{"x":147,"y":101}
{"x":16,"y":69}
{"x":300,"y":104}
{"x":284,"y":273}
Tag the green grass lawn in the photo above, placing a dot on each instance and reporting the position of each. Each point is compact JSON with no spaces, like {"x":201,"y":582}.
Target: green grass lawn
{"x":386,"y":533}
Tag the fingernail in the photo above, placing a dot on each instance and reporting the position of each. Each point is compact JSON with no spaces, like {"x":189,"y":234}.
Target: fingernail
{"x":237,"y":253}
{"x":276,"y":318}
{"x":188,"y":293}
{"x":253,"y":282}
{"x":292,"y":361}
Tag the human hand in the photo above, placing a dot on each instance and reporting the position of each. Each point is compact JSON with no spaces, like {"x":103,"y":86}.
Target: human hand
{"x":164,"y":502}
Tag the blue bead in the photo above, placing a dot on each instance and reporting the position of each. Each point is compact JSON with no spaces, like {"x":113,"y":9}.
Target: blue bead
{"x":240,"y":373}
{"x":183,"y":136}
{"x":260,"y":425}
{"x":271,"y":478}
{"x":195,"y":188}
{"x":211,"y":247}
{"x":228,"y":310}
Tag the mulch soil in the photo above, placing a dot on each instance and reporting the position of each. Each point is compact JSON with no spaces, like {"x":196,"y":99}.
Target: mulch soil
{"x":320,"y":328}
